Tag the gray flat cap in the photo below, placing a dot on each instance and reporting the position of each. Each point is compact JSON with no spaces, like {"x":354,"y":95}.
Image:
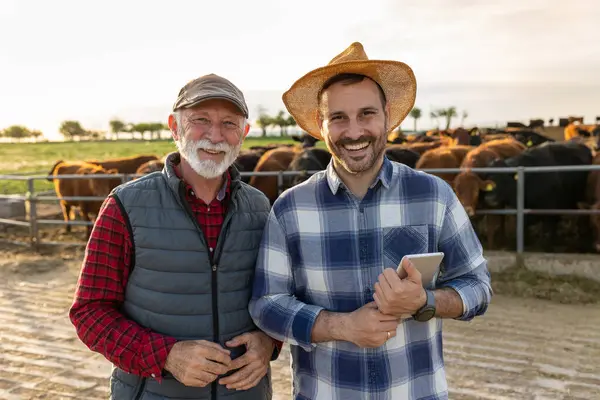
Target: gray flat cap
{"x":210,"y":87}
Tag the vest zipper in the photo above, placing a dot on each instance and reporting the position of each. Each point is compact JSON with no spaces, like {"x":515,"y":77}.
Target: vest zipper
{"x":213,"y":263}
{"x":140,"y":390}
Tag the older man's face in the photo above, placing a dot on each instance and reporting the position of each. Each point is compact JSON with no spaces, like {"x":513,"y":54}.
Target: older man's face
{"x":354,"y":124}
{"x":209,"y":136}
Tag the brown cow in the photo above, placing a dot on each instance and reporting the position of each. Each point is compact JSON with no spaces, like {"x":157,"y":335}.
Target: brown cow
{"x":592,"y":202}
{"x":126,"y":165}
{"x":75,"y":187}
{"x":468,"y":184}
{"x":422,"y":147}
{"x":150,"y":166}
{"x":443,"y":157}
{"x":273,"y":160}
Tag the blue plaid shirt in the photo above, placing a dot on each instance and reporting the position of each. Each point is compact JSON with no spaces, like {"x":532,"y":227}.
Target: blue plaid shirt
{"x":324,"y":249}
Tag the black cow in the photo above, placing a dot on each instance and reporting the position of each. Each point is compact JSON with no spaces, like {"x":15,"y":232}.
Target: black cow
{"x":531,"y":138}
{"x":246,"y":162}
{"x":306,"y":140}
{"x":310,"y":159}
{"x":403,"y":156}
{"x":543,"y":190}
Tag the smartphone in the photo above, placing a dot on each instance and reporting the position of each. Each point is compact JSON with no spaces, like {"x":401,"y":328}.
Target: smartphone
{"x":428,"y":264}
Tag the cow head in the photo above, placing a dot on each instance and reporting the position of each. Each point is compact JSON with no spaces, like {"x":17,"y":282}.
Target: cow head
{"x":102,"y":186}
{"x":594,"y":220}
{"x":467,"y":186}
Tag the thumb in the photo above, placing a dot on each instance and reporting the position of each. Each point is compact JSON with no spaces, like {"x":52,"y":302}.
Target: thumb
{"x":239,"y":340}
{"x":412,"y":273}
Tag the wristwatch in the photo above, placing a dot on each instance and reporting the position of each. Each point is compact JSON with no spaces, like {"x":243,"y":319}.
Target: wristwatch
{"x":426,"y":312}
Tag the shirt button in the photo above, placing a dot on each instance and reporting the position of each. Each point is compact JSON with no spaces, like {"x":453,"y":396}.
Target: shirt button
{"x":154,"y":376}
{"x":211,"y":249}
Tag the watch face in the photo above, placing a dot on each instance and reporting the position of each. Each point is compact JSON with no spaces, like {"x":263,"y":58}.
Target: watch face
{"x":425,"y":315}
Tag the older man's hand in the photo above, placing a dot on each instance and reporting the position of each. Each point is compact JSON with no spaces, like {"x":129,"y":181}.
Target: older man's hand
{"x":400,"y":297}
{"x":197,"y":362}
{"x":253,"y":365}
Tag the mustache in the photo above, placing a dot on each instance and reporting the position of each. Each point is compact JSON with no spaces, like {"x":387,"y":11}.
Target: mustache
{"x":361,"y":139}
{"x":204,"y":144}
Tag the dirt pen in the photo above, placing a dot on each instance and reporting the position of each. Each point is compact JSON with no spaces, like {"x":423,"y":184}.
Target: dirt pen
{"x":527,"y":346}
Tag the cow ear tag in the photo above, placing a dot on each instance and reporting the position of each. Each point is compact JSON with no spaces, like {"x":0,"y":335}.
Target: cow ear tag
{"x":516,"y":176}
{"x":489,"y":187}
{"x":529,"y":144}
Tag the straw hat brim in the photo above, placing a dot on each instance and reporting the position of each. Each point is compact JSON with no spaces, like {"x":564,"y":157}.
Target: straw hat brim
{"x":395,"y":78}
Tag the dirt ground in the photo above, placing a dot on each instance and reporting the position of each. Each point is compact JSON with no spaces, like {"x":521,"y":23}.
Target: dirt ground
{"x":524,"y":347}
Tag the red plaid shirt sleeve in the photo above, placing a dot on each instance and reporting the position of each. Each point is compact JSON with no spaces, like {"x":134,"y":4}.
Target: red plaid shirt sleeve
{"x":99,"y":294}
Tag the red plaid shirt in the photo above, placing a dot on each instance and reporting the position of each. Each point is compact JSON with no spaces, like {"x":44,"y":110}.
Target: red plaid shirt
{"x":101,"y":289}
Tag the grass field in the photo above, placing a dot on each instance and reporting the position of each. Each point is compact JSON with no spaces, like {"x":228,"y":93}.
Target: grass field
{"x":38,"y":158}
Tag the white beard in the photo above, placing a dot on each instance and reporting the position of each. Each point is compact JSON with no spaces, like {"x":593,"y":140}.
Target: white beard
{"x":209,"y":169}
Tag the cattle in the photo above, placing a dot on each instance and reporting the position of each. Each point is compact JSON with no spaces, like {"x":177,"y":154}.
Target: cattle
{"x":310,"y":159}
{"x":263,"y":149}
{"x":576,"y":129}
{"x":592,"y":201}
{"x":277,"y":159}
{"x":396,"y":137}
{"x":246,"y":162}
{"x":422,"y":147}
{"x":402,"y":155}
{"x":548,"y":190}
{"x":149,"y":167}
{"x":125,"y":165}
{"x":443,"y":157}
{"x":467,"y":137}
{"x":76,"y":187}
{"x":306,"y":140}
{"x":531,"y":138}
{"x":468,"y":184}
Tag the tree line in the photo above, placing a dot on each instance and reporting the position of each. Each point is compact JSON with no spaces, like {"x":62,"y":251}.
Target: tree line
{"x":437,"y":114}
{"x":72,"y":130}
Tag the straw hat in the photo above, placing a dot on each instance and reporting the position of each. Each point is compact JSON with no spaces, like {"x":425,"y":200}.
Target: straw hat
{"x":395,"y":78}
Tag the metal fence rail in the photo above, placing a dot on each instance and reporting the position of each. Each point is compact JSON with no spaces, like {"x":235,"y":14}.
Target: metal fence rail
{"x":31,"y":198}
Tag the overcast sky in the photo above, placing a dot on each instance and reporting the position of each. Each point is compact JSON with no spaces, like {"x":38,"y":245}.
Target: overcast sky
{"x":68,"y":59}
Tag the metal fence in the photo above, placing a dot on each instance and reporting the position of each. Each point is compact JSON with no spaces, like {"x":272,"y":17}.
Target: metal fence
{"x":32,"y":199}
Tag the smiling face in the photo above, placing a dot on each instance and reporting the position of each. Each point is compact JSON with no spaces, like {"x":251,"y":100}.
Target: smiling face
{"x":209,"y":136}
{"x":353,"y":122}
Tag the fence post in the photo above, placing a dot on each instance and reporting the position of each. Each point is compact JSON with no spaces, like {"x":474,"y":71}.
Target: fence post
{"x":32,"y":205}
{"x":279,"y":182}
{"x":520,"y":216}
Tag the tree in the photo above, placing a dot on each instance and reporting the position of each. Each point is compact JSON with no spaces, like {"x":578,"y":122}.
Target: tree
{"x":17,"y":132}
{"x":117,"y":126}
{"x":434,"y":117}
{"x":415,"y":113}
{"x":291,"y":122}
{"x":281,"y":121}
{"x":463,"y":116}
{"x":35,"y":134}
{"x":71,"y":130}
{"x":264,"y":120}
{"x":447,"y":113}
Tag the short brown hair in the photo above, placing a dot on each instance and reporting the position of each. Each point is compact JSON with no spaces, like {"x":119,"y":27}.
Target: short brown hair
{"x":349,"y":79}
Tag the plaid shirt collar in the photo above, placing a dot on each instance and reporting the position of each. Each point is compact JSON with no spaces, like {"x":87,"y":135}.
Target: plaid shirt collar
{"x":384,"y":176}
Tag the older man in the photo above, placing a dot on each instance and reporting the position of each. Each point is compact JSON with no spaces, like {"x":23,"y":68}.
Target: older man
{"x":326,"y":279}
{"x":166,"y":279}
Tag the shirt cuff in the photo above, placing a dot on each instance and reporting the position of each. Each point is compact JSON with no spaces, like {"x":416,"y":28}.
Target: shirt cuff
{"x":302,"y":325}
